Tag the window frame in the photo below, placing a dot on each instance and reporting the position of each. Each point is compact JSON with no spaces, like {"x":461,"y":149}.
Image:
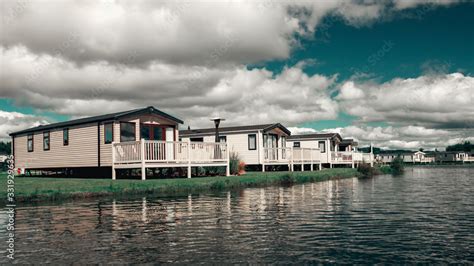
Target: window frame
{"x":105,"y":132}
{"x":32,"y":142}
{"x":134,"y":131}
{"x":65,"y":133}
{"x":255,"y":140}
{"x":324,"y":145}
{"x":48,"y":137}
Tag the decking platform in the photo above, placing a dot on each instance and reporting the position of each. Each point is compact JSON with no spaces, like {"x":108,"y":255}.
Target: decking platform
{"x":145,"y":154}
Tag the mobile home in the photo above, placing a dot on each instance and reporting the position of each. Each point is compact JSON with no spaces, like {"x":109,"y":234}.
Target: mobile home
{"x":407,"y":157}
{"x":453,"y":157}
{"x":256,"y":145}
{"x":333,"y":148}
{"x":98,"y":146}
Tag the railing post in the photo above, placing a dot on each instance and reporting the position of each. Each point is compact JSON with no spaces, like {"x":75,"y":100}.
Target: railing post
{"x":292,"y":160}
{"x":142,"y":154}
{"x":352,"y":158}
{"x":189,"y":159}
{"x":227,"y":170}
{"x":113,"y":161}
{"x":301,"y":158}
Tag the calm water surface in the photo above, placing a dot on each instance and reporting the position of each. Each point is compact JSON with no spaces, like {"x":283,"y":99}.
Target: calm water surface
{"x":425,"y":216}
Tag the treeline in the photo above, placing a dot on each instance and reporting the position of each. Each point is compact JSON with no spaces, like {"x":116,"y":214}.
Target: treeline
{"x":381,"y":151}
{"x":5,"y":147}
{"x":466,"y":146}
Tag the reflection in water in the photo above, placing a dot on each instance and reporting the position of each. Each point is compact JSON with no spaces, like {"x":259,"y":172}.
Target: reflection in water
{"x":425,"y":216}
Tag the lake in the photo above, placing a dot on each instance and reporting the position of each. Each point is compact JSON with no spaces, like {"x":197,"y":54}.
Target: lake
{"x":427,"y":215}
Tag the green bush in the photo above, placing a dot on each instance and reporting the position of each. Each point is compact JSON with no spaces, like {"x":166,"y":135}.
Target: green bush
{"x":287,"y":179}
{"x":385,"y":169}
{"x":234,"y":160}
{"x":397,"y":166}
{"x":366,"y":170}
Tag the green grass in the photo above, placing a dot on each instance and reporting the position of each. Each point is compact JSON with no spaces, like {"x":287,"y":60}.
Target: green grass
{"x":30,"y":189}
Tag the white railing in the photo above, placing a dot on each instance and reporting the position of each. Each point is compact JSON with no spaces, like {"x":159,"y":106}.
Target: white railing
{"x":208,"y":152}
{"x":306,"y":155}
{"x":169,"y":152}
{"x":468,"y":158}
{"x":358,"y":156}
{"x":283,"y":155}
{"x":289,"y":155}
{"x":165,"y":151}
{"x":423,"y":160}
{"x":341,"y":156}
{"x":127,"y":152}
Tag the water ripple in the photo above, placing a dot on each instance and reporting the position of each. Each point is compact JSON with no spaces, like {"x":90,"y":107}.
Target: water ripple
{"x":426,"y":216}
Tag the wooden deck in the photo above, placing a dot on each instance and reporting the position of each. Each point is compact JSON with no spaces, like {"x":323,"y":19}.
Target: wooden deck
{"x":309,"y":156}
{"x":145,"y":154}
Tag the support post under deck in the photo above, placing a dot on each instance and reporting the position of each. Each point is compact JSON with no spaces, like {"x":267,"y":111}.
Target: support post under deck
{"x":142,"y":151}
{"x":113,"y":162}
{"x":189,"y":159}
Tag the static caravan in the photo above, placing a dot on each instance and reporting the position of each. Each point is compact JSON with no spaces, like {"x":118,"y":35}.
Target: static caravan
{"x":98,"y":146}
{"x":327,"y":143}
{"x":255,"y":144}
{"x":333,"y":148}
{"x":408,"y":157}
{"x":452,"y":156}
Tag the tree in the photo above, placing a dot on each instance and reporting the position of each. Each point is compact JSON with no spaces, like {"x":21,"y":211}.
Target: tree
{"x":397,"y":166}
{"x":466,"y":146}
{"x":5,"y":147}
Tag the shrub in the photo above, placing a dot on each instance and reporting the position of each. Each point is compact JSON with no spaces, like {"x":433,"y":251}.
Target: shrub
{"x":385,"y":169}
{"x":366,"y":170}
{"x":397,"y":166}
{"x":234,"y":163}
{"x":287,"y":179}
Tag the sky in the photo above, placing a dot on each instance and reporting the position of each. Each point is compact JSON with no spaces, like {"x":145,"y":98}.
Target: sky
{"x":397,"y":74}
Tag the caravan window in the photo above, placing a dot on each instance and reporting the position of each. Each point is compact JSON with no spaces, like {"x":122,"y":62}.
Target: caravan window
{"x":46,"y":141}
{"x":66,"y":137}
{"x":127,"y":132}
{"x":30,"y":143}
{"x":322,"y":146}
{"x":108,"y":133}
{"x":252,"y":142}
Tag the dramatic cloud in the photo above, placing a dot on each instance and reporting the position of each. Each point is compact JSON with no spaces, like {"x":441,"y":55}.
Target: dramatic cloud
{"x":13,"y":121}
{"x":176,"y":32}
{"x":89,"y":57}
{"x":408,"y":137}
{"x":405,"y":4}
{"x":191,"y":92}
{"x":441,"y":101}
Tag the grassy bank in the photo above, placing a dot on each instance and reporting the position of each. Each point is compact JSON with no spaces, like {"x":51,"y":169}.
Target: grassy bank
{"x":30,"y":189}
